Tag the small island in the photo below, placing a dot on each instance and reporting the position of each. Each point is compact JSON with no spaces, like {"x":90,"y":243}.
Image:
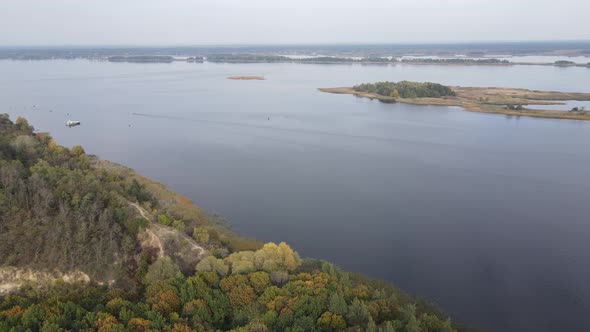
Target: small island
{"x":247,"y":78}
{"x":509,"y":101}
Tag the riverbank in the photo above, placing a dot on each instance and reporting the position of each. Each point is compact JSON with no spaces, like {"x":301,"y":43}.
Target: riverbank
{"x":124,"y":241}
{"x":506,"y":101}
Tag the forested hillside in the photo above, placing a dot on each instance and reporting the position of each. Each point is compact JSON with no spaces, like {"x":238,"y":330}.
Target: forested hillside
{"x":63,"y":210}
{"x":55,"y":212}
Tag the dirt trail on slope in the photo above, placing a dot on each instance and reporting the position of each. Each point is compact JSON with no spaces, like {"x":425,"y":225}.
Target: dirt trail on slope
{"x":157,"y":232}
{"x":12,"y":278}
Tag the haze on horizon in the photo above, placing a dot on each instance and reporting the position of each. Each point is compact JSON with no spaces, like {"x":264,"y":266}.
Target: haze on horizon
{"x":202,"y":22}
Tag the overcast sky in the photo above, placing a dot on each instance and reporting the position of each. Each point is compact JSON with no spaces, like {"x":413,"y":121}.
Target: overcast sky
{"x":194,"y":22}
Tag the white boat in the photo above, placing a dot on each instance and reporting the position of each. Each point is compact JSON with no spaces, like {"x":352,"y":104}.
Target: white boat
{"x":71,"y":123}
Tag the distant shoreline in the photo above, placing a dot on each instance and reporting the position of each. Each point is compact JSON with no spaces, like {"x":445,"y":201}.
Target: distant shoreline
{"x":246,"y":78}
{"x":169,"y":59}
{"x":489,"y":100}
{"x":466,"y":55}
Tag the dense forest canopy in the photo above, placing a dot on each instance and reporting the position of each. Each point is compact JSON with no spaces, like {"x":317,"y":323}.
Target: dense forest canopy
{"x":61,"y":209}
{"x":406,"y":89}
{"x":55,"y":211}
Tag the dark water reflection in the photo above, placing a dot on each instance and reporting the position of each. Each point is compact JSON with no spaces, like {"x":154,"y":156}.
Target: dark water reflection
{"x":486,"y":215}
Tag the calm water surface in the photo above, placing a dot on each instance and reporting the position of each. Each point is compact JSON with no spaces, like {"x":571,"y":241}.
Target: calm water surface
{"x":486,"y":215}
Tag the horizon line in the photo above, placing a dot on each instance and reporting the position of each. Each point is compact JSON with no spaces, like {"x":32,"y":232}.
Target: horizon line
{"x":417,"y":43}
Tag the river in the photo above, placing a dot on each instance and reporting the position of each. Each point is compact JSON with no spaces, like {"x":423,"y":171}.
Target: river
{"x":485,"y":215}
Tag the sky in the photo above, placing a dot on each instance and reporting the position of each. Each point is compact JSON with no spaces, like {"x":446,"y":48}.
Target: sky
{"x":239,"y":22}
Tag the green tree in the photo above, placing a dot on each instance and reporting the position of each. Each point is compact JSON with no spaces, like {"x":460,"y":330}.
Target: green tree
{"x":329,"y":321}
{"x":77,"y":151}
{"x":198,"y":309}
{"x":259,"y":281}
{"x":387,"y":327}
{"x":49,"y":326}
{"x":408,"y":318}
{"x":371,"y":327}
{"x":23,"y":124}
{"x":178,"y":224}
{"x":162,"y":269}
{"x":138,"y":192}
{"x":431,"y":323}
{"x":358,"y":314}
{"x":212,"y":264}
{"x":164,"y":220}
{"x":337,"y":304}
{"x":201,"y":235}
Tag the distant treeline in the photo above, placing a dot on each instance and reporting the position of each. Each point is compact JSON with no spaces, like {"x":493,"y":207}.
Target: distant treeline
{"x":237,"y":57}
{"x":246,"y":58}
{"x":406,"y":89}
{"x":473,"y":50}
{"x":256,"y":58}
{"x":458,"y":61}
{"x":142,"y":58}
{"x":564,"y":63}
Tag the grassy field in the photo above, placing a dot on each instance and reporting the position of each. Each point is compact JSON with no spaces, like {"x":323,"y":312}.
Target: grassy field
{"x":490,"y":100}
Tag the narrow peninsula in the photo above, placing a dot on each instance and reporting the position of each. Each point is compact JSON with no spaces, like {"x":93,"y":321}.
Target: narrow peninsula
{"x":509,"y":101}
